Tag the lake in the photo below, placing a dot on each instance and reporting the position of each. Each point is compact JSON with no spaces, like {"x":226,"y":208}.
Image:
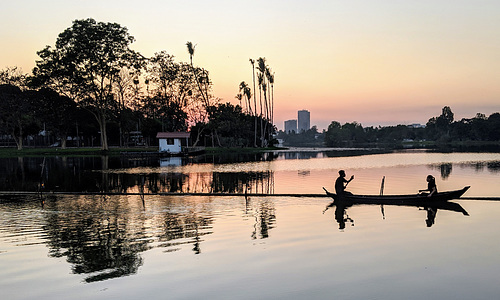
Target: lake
{"x":141,"y":245}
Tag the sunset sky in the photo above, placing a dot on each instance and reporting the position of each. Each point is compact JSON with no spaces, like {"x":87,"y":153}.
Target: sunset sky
{"x":374,"y":62}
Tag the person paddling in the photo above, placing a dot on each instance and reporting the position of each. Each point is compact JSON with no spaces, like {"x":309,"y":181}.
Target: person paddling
{"x":341,"y":183}
{"x":431,"y":186}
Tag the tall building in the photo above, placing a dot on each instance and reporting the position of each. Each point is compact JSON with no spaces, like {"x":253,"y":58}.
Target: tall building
{"x":304,"y":120}
{"x":291,"y":126}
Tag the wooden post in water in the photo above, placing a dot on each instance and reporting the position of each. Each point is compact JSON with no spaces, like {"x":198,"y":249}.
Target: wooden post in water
{"x":382,"y":186}
{"x":381,"y":193}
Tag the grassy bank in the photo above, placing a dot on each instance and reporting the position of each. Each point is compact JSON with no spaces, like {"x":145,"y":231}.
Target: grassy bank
{"x":26,"y":152}
{"x":115,"y":151}
{"x":13,"y":152}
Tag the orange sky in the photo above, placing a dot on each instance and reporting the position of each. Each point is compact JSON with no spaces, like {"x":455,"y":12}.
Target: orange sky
{"x":374,"y":62}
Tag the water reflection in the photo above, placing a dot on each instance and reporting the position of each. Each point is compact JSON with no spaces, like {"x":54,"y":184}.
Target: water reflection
{"x":342,"y":217}
{"x":181,"y":175}
{"x":95,"y":237}
{"x":86,"y":174}
{"x":340,"y":214}
{"x":265,"y":218}
{"x":447,"y":168}
{"x":102,"y":237}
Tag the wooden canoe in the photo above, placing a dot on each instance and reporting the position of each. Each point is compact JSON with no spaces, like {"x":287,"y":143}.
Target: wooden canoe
{"x":411,"y":199}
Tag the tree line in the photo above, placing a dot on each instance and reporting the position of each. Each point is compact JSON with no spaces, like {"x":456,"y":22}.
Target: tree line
{"x":441,"y":129}
{"x":92,"y":74}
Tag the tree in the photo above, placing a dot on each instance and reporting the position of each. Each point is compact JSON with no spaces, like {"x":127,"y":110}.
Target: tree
{"x":333,"y":135}
{"x":57,"y":112}
{"x":439,"y":127}
{"x":85,"y":65}
{"x":247,"y":92}
{"x":234,"y":127}
{"x":125,"y":95}
{"x":13,"y":76}
{"x":252,"y":61}
{"x":17,"y":113}
{"x":199,"y":111}
{"x":494,"y":127}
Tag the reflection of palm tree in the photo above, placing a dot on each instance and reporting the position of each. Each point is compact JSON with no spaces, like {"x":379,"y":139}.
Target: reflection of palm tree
{"x":265,"y":218}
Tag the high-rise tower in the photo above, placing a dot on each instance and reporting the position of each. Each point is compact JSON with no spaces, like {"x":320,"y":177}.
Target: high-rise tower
{"x":304,"y":120}
{"x":291,"y":126}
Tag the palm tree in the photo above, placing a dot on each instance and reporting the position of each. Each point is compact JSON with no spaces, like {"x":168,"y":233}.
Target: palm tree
{"x":252,"y":61}
{"x":263,"y":69}
{"x":270,"y":79}
{"x":248,"y":94}
{"x":239,"y":97}
{"x":191,"y":51}
{"x":244,"y":87}
{"x":190,"y":48}
{"x":260,"y":79}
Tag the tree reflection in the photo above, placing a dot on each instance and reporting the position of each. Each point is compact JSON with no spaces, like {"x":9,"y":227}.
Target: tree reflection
{"x":446,"y":170}
{"x":96,"y":239}
{"x":237,"y":182}
{"x":265,"y":218}
{"x":102,"y":237}
{"x":179,"y":229}
{"x":494,"y":166}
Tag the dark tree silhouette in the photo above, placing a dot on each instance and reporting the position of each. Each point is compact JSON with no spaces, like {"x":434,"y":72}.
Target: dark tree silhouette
{"x":85,"y":65}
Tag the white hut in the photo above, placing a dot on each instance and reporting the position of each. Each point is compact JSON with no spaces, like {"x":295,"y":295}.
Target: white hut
{"x":172,"y":142}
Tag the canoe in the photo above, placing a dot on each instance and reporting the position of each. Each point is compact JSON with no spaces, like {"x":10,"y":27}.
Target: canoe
{"x":411,"y":199}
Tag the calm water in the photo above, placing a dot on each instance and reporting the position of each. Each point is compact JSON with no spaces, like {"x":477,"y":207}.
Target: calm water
{"x":185,"y":247}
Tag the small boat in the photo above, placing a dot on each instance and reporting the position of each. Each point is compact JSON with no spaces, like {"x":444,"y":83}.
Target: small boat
{"x":411,"y":199}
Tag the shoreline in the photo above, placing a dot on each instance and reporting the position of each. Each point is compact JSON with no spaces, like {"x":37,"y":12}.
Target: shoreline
{"x":6,"y":152}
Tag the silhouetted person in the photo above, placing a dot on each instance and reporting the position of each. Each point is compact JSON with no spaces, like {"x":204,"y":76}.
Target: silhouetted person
{"x":431,"y":186}
{"x":431,"y":216}
{"x":341,"y":183}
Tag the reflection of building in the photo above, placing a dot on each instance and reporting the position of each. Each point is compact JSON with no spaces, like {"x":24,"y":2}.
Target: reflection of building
{"x":304,"y":120}
{"x":171,"y":162}
{"x":172,"y":142}
{"x":291,"y":126}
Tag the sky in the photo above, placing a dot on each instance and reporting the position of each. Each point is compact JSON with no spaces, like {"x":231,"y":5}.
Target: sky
{"x":373,"y":62}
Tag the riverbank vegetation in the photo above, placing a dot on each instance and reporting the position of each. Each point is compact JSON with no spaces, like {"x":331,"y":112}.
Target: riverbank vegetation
{"x":439,"y":131}
{"x":92,"y":89}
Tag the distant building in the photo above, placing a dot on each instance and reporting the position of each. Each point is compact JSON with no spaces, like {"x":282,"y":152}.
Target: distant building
{"x":291,"y":126}
{"x":416,"y":126}
{"x":172,"y":142}
{"x":304,"y":120}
